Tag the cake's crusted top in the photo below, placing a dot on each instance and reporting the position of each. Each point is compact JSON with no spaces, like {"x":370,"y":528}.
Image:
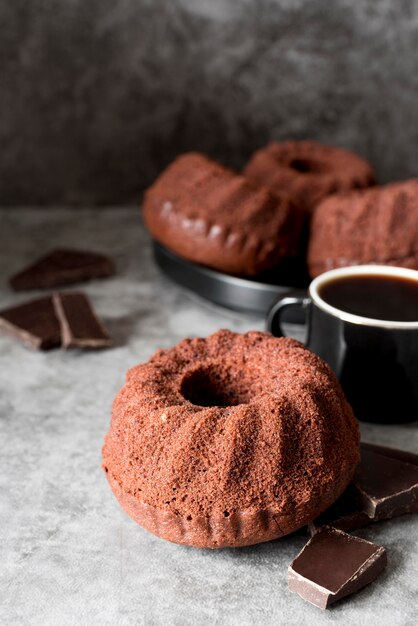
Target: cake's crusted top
{"x":230,"y":423}
{"x":308,"y":171}
{"x":377,"y":225}
{"x":211,"y":215}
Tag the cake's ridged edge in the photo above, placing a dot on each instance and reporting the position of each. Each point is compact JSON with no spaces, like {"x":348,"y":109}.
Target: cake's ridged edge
{"x":239,"y":529}
{"x":236,"y":248}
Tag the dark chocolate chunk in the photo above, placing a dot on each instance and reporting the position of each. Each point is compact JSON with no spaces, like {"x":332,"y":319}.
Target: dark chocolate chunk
{"x":80,"y":327}
{"x":62,"y":267}
{"x":333,"y":565}
{"x":345,"y":514}
{"x":386,"y":487}
{"x":34,"y":323}
{"x":393,"y":453}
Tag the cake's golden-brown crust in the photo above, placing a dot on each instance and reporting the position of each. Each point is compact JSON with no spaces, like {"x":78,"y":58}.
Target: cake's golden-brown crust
{"x":308,"y":171}
{"x":210,"y":215}
{"x":377,"y":226}
{"x":230,"y":440}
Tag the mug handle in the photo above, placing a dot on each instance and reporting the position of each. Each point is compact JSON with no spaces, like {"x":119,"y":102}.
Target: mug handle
{"x":274,"y":315}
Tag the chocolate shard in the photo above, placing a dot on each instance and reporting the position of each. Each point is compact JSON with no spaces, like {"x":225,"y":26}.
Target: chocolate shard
{"x":393,"y":453}
{"x":62,"y":267}
{"x":334,"y":565}
{"x":33,"y":323}
{"x":345,"y":514}
{"x":386,"y":487}
{"x":80,"y":327}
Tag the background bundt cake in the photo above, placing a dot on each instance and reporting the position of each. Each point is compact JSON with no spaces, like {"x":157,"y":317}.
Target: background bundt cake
{"x":308,"y":171}
{"x":378,"y":225}
{"x":230,"y":440}
{"x":208,"y":214}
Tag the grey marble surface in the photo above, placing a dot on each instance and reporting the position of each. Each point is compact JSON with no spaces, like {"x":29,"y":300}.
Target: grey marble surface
{"x":69,"y":554}
{"x":96,"y":97}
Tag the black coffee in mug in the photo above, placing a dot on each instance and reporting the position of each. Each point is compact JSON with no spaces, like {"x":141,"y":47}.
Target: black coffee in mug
{"x":374,"y":296}
{"x":363,"y":321}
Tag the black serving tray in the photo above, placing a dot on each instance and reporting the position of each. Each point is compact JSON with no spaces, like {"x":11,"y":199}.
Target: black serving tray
{"x":232,"y":292}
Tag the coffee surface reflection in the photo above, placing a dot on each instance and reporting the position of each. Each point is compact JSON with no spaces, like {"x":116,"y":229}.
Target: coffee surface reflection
{"x":374,"y":296}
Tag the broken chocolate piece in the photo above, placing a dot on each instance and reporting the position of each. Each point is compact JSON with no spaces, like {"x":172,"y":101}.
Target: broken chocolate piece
{"x":393,"y":453}
{"x":386,"y":487}
{"x":34,"y":323}
{"x":333,"y":565}
{"x":345,"y":514}
{"x":80,"y":327}
{"x":62,"y":267}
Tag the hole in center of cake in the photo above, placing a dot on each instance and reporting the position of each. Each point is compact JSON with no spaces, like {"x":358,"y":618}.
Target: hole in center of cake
{"x":303,"y":166}
{"x":213,"y":386}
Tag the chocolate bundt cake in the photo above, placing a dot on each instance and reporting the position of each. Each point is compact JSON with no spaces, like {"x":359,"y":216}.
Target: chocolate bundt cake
{"x":378,"y":225}
{"x":308,"y":171}
{"x":206,"y":213}
{"x":230,"y":441}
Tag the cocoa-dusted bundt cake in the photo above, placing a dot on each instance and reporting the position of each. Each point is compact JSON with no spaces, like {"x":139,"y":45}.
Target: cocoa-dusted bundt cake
{"x":378,"y":225}
{"x":230,"y":441}
{"x":308,"y":171}
{"x":206,"y":213}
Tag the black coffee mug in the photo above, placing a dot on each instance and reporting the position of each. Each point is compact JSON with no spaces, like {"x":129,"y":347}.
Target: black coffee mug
{"x":375,"y":360}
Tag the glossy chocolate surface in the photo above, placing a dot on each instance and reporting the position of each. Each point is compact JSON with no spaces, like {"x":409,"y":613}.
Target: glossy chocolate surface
{"x":62,"y":266}
{"x":80,"y":326}
{"x":34,"y":323}
{"x":333,"y":565}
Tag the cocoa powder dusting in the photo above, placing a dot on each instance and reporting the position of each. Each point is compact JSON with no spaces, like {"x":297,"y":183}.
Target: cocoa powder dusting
{"x":216,"y":427}
{"x":308,"y":171}
{"x":377,"y":225}
{"x":213,"y":216}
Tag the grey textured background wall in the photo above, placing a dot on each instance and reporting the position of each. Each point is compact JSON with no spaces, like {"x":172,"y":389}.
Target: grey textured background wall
{"x":96,"y":96}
